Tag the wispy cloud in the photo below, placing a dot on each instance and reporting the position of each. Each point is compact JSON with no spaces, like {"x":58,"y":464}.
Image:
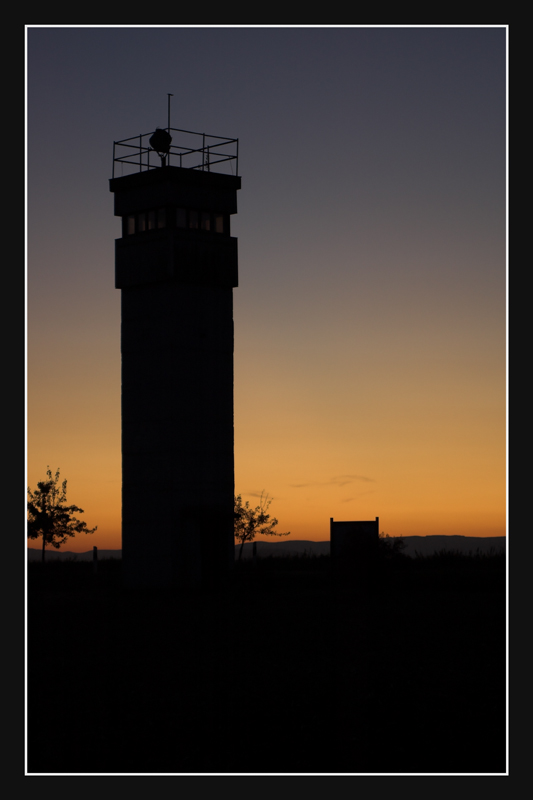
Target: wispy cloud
{"x":342,"y":480}
{"x":339,"y":480}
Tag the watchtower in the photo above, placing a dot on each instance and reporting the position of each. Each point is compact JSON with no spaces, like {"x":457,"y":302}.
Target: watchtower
{"x":176,"y":267}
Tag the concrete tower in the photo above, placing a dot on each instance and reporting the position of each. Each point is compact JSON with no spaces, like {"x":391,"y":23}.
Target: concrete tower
{"x":176,"y":266}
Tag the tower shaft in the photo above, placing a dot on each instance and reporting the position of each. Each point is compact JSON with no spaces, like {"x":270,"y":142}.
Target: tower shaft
{"x":176,"y":267}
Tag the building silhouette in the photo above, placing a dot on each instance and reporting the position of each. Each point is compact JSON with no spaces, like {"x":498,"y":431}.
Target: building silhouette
{"x":354,"y":547}
{"x":176,"y":267}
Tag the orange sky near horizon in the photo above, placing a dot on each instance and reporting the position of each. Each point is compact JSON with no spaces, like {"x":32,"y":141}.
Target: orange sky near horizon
{"x":416,"y":457}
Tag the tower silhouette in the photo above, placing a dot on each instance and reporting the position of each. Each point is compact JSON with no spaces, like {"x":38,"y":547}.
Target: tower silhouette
{"x":176,"y":266}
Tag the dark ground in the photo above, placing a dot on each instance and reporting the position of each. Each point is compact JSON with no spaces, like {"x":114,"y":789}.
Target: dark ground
{"x":289,"y":669}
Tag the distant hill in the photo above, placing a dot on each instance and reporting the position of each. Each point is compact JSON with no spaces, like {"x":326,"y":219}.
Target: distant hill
{"x":414,"y":545}
{"x":428,"y":545}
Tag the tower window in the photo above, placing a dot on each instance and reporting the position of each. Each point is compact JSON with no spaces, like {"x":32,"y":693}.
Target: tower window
{"x":193,"y":219}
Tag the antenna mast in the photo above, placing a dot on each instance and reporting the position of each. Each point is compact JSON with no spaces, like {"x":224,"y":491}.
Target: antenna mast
{"x":168,"y":125}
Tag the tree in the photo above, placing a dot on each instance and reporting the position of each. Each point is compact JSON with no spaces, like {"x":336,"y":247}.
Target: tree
{"x":391,"y":547}
{"x":249,"y":522}
{"x":49,"y":516}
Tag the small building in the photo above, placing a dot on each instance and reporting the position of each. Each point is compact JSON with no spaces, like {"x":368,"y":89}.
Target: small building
{"x":353,"y":544}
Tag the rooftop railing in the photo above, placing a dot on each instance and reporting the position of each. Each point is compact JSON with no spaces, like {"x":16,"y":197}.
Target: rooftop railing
{"x":200,"y":151}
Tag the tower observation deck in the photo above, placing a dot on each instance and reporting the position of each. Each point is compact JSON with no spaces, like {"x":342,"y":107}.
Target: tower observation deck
{"x":198,"y":151}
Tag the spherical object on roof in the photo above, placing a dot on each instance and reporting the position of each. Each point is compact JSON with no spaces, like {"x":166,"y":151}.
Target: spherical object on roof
{"x":160,"y":141}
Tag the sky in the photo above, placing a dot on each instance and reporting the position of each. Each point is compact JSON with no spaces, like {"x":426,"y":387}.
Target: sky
{"x":371,"y":312}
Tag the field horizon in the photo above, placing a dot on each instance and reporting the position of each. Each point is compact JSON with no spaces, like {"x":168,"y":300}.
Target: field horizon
{"x":414,"y":545}
{"x":399,"y":671}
